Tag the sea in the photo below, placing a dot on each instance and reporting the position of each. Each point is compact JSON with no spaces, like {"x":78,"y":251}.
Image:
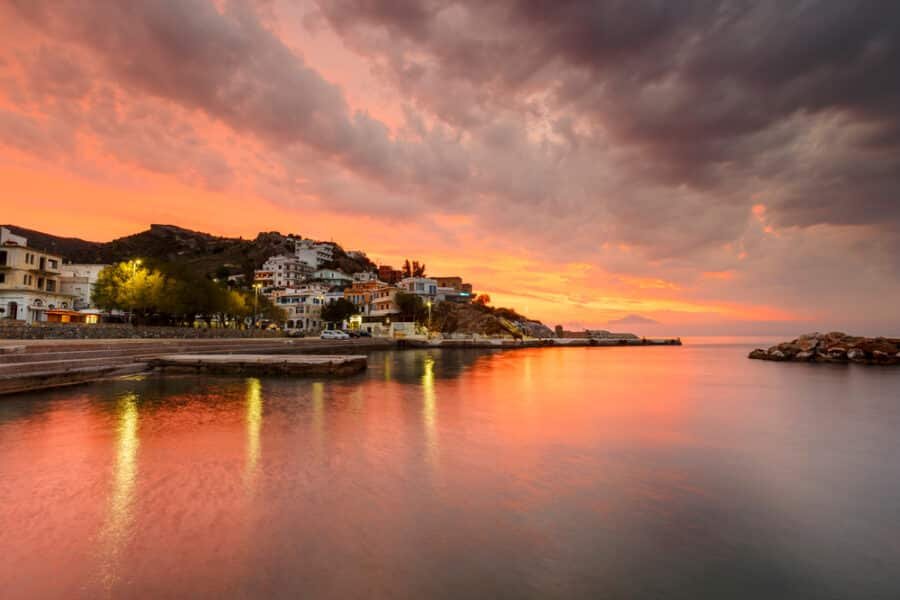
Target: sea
{"x":649,"y":472}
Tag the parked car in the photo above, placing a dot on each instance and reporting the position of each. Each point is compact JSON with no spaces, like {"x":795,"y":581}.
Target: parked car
{"x":351,"y":332}
{"x":334,"y":334}
{"x":364,"y":334}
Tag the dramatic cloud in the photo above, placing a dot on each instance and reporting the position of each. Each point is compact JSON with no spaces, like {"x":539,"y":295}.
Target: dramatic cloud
{"x":707,"y":155}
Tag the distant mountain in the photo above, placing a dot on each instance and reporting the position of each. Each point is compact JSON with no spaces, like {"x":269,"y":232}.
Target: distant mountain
{"x":201,"y":252}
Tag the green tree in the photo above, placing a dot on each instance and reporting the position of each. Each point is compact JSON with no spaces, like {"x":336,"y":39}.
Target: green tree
{"x":411,"y":306}
{"x":338,"y":310}
{"x":128,"y":286}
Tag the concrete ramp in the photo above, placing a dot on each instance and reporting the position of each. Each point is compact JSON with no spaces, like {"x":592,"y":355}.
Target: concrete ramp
{"x":263,"y":364}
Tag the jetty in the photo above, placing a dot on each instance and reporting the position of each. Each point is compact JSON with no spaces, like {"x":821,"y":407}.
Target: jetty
{"x":310,"y":365}
{"x":29,"y":365}
{"x":508,"y":342}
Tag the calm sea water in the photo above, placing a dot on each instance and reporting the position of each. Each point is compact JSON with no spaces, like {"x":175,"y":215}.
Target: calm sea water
{"x":593,"y":473}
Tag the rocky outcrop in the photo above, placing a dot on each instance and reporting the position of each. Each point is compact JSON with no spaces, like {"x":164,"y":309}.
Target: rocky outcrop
{"x":834,"y":347}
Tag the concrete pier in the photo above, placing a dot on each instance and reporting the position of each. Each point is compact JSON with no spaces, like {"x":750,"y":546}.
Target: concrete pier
{"x":263,"y":364}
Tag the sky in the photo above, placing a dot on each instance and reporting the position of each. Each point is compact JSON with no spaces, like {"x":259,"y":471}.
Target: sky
{"x":698,"y":167}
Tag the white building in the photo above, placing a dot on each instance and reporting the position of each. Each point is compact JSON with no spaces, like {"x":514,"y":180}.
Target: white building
{"x":302,"y":307}
{"x":282,"y":272}
{"x":421,"y":286}
{"x":78,"y":280}
{"x":30,"y":283}
{"x":314,"y":254}
{"x":364,"y":276}
{"x":331,"y":277}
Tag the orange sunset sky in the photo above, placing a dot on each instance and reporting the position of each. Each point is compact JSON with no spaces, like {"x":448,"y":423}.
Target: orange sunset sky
{"x":575,"y":188}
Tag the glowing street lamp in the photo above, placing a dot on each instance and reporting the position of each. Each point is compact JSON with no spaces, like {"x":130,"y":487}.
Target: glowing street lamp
{"x":134,"y":265}
{"x":428,"y":304}
{"x":256,"y":288}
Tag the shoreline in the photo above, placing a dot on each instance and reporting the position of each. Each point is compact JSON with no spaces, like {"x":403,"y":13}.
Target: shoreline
{"x":36,"y":365}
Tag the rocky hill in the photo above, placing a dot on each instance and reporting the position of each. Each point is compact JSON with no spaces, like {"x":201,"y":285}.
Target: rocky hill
{"x":449,"y":317}
{"x":200,"y":252}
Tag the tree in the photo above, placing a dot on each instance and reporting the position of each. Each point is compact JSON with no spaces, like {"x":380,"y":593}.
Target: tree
{"x":130,"y":287}
{"x":481,"y":300}
{"x":418,"y":270}
{"x":410,"y":306}
{"x":338,"y":310}
{"x":407,"y":268}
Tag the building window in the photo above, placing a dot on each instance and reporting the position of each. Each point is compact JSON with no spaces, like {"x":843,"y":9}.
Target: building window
{"x":51,"y":285}
{"x":2,"y":277}
{"x":2,"y":257}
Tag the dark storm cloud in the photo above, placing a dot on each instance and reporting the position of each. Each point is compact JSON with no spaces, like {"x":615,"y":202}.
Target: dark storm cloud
{"x":653,"y":124}
{"x":697,"y":85}
{"x":230,"y":66}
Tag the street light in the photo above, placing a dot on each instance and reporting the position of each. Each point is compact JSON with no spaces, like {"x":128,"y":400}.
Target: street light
{"x":134,"y":265}
{"x":428,"y":304}
{"x":256,"y":287}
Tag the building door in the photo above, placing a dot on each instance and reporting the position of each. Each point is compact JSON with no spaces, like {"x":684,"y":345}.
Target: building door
{"x":13,"y":310}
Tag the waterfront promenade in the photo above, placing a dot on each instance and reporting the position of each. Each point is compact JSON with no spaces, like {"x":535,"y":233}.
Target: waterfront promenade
{"x":27,"y":365}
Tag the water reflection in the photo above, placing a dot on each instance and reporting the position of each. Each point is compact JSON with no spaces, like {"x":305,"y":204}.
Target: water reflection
{"x":254,"y":409}
{"x":613,"y":473}
{"x":318,"y":412}
{"x":429,"y":410}
{"x":116,"y":530}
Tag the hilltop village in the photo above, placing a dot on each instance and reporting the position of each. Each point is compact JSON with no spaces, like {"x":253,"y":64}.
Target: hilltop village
{"x":287,"y":283}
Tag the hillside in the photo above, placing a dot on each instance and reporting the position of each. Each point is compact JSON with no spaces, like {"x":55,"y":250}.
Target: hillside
{"x":200,"y":252}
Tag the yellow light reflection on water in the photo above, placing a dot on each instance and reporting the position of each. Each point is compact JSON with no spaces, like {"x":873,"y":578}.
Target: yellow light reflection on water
{"x":115,"y":532}
{"x":318,"y":406}
{"x":429,"y":410}
{"x":254,"y":416}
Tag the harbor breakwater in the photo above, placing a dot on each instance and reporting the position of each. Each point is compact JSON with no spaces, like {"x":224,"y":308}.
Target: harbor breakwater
{"x":833,"y":347}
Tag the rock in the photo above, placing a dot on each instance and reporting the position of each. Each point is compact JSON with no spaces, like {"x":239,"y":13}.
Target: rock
{"x":834,"y":347}
{"x":837,"y":352}
{"x":856,"y":355}
{"x":806,"y":344}
{"x":877,"y":345}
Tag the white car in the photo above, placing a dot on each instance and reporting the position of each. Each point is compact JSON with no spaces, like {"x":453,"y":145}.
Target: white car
{"x":334,"y":334}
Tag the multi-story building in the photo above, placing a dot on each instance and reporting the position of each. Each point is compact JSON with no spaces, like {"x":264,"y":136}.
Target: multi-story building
{"x":78,"y":280}
{"x":421,"y":286}
{"x":455,"y":282}
{"x":364,"y":276}
{"x":30,"y":282}
{"x":384,"y":302}
{"x":453,"y":289}
{"x":314,"y":254}
{"x":373,"y":298}
{"x":302,"y":307}
{"x":282,"y":272}
{"x":332,"y":277}
{"x":264,"y":279}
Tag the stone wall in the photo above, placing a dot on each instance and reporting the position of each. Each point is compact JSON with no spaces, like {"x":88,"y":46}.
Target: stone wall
{"x":18,"y":330}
